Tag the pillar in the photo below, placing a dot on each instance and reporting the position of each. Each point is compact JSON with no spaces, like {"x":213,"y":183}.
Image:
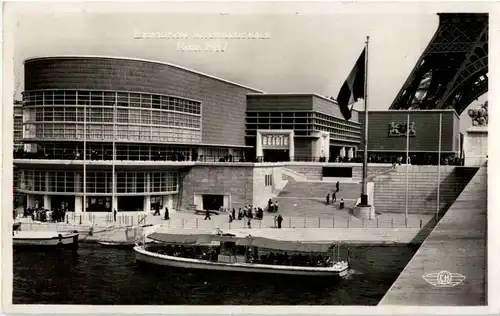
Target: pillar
{"x":78,"y":204}
{"x":291,"y":144}
{"x":47,"y":202}
{"x":147,"y":203}
{"x":350,"y":152}
{"x":342,"y":152}
{"x":168,"y":201}
{"x":259,"y":152}
{"x":114,"y":203}
{"x":30,"y":200}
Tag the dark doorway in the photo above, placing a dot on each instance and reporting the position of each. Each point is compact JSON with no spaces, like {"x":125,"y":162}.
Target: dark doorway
{"x":63,"y":202}
{"x":130,"y":203}
{"x":212,"y":202}
{"x":276,"y":155}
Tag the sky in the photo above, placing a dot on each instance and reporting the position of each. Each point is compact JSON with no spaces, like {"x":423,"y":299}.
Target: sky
{"x":305,"y":53}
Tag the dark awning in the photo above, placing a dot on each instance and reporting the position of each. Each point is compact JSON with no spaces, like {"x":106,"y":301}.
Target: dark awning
{"x":260,"y":242}
{"x":180,"y":239}
{"x":290,"y":245}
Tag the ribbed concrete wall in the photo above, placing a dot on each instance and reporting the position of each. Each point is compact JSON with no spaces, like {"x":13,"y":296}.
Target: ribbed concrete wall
{"x":223,"y":103}
{"x":457,"y":245}
{"x":311,"y":172}
{"x":390,"y":188}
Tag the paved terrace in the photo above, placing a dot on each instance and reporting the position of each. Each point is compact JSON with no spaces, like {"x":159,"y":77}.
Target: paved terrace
{"x":457,"y":245}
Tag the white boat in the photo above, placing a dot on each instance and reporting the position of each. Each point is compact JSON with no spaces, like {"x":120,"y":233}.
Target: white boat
{"x":45,"y":239}
{"x":231,"y":258}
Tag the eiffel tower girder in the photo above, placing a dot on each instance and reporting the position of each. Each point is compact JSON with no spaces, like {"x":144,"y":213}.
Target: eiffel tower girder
{"x":452,"y":72}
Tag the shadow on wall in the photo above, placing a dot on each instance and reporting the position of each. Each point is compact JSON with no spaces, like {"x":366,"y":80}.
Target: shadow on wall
{"x":451,"y":187}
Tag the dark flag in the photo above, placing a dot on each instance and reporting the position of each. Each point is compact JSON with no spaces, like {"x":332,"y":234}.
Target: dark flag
{"x":353,"y":88}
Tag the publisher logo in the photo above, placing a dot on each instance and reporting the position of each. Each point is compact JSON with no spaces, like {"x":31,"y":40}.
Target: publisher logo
{"x":444,"y":278}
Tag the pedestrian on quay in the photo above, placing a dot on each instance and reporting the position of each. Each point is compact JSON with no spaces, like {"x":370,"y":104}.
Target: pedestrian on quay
{"x":167,"y":216}
{"x":234,"y":213}
{"x":276,"y":206}
{"x":327,"y":198}
{"x":114,"y":214}
{"x":341,"y":203}
{"x":249,"y":223}
{"x":157,"y":210}
{"x":279,"y":220}
{"x":207,"y":215}
{"x":334,"y":197}
{"x":337,"y":186}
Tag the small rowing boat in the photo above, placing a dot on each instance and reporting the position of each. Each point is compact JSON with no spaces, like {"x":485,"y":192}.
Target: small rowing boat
{"x":45,"y":239}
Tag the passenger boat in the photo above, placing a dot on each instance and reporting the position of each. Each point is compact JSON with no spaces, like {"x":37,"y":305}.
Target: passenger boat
{"x":46,"y":239}
{"x":229,"y":252}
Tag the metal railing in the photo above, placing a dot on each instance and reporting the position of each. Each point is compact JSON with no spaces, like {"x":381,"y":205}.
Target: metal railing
{"x":295,"y":222}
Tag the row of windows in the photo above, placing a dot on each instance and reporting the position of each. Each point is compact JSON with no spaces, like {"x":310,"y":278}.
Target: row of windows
{"x":143,"y":152}
{"x":97,"y":182}
{"x":298,"y":117}
{"x":110,"y":98}
{"x":122,"y":115}
{"x":105,"y":132}
{"x":268,"y":180}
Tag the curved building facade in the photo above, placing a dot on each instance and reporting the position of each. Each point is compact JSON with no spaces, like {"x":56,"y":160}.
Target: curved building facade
{"x":132,"y":123}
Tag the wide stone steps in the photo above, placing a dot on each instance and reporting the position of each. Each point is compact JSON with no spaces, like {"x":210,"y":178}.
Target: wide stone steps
{"x":319,"y":190}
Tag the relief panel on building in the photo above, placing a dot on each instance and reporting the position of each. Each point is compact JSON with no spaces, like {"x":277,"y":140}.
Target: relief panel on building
{"x":399,"y":129}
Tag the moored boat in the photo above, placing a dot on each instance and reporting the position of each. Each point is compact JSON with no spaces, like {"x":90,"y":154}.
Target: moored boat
{"x":46,"y":239}
{"x":228,"y":252}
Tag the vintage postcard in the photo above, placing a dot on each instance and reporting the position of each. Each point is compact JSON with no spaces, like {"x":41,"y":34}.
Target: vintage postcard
{"x":250,"y":157}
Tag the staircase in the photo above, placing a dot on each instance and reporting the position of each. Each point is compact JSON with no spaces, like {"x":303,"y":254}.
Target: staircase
{"x":390,"y":188}
{"x":319,"y":190}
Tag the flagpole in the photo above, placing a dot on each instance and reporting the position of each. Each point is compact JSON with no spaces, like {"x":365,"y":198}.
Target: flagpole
{"x":439,"y":165}
{"x":364,"y":193}
{"x":407,"y":165}
{"x":113,"y":183}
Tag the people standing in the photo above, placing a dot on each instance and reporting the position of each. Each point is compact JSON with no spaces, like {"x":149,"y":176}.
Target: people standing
{"x":157,"y":210}
{"x":276,"y":206}
{"x":249,"y":223}
{"x":334,"y":197}
{"x":167,"y":216}
{"x":327,"y":198}
{"x":337,"y":186}
{"x":234,"y":213}
{"x":207,"y":215}
{"x":114,"y":214}
{"x":341,"y":203}
{"x":279,"y":220}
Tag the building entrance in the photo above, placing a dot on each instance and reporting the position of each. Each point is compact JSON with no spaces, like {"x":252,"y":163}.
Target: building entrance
{"x":276,"y":155}
{"x":213,"y":202}
{"x":130,"y":203}
{"x":63,"y":202}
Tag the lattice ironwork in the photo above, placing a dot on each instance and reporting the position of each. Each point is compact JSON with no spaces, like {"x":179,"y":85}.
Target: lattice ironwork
{"x":452,"y":71}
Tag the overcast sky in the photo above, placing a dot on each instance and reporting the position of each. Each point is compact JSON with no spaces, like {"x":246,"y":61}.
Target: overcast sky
{"x":306,"y":53}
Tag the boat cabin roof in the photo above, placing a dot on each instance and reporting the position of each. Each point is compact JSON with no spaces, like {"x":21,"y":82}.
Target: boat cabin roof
{"x":249,"y":241}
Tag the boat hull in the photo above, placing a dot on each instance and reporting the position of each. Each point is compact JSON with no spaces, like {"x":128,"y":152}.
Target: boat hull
{"x":145,"y":256}
{"x":111,"y":244}
{"x":46,"y":240}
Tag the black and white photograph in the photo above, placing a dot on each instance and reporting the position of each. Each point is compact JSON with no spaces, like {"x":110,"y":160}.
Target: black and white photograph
{"x":228,"y":156}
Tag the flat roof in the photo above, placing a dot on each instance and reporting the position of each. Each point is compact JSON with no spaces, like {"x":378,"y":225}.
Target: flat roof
{"x":292,"y":94}
{"x":140,"y":60}
{"x":411,"y":111}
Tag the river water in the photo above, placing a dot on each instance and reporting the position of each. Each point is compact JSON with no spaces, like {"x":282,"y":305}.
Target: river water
{"x":103,"y":276}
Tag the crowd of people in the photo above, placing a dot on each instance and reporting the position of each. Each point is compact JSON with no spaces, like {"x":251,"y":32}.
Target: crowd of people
{"x":45,"y":215}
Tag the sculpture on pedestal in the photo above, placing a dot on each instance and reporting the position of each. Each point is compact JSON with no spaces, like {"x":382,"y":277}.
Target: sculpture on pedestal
{"x":479,"y":116}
